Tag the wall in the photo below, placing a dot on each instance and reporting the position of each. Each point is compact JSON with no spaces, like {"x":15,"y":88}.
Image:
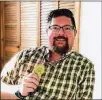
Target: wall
{"x":90,"y":39}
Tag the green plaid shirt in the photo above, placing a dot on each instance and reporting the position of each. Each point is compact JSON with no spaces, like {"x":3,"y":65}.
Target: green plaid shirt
{"x":71,"y":77}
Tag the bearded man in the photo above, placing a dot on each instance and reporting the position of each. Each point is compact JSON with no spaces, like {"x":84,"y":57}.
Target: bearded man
{"x":68,"y":75}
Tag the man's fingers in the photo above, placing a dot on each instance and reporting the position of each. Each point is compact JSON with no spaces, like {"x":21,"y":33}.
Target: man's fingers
{"x":30,"y":85}
{"x":32,"y":75}
{"x":32,"y":80}
{"x":29,"y":89}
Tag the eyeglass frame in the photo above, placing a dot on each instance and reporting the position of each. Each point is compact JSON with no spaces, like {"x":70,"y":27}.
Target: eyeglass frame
{"x":72,"y":28}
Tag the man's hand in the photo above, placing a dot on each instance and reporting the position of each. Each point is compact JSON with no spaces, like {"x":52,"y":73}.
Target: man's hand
{"x":29,"y":84}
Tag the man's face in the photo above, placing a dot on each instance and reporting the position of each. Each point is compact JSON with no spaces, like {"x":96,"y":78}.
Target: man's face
{"x":61,"y":40}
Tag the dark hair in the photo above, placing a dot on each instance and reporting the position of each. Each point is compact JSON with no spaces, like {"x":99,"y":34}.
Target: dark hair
{"x":61,"y":12}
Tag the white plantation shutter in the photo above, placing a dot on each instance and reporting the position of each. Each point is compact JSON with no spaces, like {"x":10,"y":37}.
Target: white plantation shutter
{"x":29,"y":22}
{"x":46,"y":7}
{"x":68,"y":5}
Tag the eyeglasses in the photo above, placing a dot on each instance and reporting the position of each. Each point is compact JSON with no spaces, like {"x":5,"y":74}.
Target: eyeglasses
{"x":66,"y":28}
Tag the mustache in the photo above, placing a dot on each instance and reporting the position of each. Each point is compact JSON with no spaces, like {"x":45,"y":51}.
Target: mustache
{"x":60,"y":37}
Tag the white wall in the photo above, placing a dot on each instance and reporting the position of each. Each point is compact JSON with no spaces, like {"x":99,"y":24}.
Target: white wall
{"x":90,"y":39}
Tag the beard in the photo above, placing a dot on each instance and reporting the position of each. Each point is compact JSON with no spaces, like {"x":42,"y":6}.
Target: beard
{"x":61,"y":49}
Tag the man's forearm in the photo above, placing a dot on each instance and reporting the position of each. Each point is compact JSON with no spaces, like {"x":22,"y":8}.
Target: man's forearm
{"x":8,"y":91}
{"x":5,"y":95}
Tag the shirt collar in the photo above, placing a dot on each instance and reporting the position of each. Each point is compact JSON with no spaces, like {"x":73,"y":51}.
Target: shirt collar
{"x":48,"y":53}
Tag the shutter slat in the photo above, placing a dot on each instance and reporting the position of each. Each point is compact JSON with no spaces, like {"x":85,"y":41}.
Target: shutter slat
{"x":28,"y":24}
{"x":10,"y":17}
{"x":67,"y":5}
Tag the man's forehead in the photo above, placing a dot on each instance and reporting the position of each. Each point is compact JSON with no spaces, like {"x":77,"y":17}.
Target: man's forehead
{"x":61,"y":20}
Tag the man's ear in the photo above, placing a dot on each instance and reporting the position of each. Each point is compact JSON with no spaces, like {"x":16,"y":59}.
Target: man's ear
{"x":46,"y":30}
{"x":75,"y":32}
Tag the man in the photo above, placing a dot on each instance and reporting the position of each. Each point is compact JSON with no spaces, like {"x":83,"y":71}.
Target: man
{"x":68,"y":75}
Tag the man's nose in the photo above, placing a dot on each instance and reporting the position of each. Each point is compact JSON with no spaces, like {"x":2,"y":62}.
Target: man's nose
{"x":61,"y":31}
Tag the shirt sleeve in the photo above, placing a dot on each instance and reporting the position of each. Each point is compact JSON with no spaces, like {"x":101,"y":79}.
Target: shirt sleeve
{"x":9,"y":72}
{"x":86,"y":85}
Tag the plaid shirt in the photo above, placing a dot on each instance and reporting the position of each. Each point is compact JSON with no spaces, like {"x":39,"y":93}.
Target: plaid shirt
{"x":71,"y":77}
